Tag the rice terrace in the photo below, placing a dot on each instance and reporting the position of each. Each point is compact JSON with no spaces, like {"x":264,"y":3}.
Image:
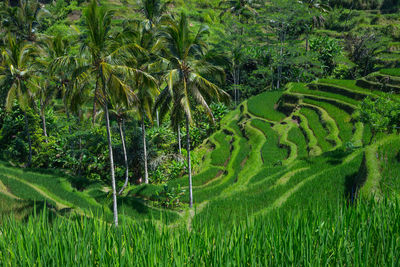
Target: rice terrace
{"x":200,"y":133}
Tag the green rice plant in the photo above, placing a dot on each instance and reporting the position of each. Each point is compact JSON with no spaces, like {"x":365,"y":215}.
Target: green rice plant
{"x":271,"y":192}
{"x":239,"y":156}
{"x":356,"y":140}
{"x":378,"y":87}
{"x":22,"y":190}
{"x":58,"y":186}
{"x":348,"y":84}
{"x":317,"y":128}
{"x":17,"y":207}
{"x":329,"y":187}
{"x":221,"y":153}
{"x":341,"y":117}
{"x":138,"y":210}
{"x":263,"y":105}
{"x":391,"y":72}
{"x":389,"y":157}
{"x":303,"y":89}
{"x":329,"y":123}
{"x":271,"y":153}
{"x":198,"y":179}
{"x":267,"y":172}
{"x":322,"y":235}
{"x":296,"y":136}
{"x":313,"y":148}
{"x":367,"y":134}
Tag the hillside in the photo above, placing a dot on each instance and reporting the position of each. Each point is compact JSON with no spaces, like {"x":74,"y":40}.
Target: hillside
{"x":292,"y":149}
{"x":278,"y":150}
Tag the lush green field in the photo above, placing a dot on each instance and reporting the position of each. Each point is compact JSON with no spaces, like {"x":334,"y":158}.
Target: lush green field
{"x":365,"y":234}
{"x":277,"y":181}
{"x":263,"y":106}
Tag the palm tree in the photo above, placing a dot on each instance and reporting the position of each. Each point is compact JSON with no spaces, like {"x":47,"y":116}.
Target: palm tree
{"x":106,"y":64}
{"x":153,"y":11}
{"x":187,"y":77}
{"x":17,"y":58}
{"x":23,"y":19}
{"x":44,"y":92}
{"x":121,"y":113}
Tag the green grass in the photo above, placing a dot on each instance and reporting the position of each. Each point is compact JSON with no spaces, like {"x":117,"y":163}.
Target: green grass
{"x":312,"y":142}
{"x":296,"y":136}
{"x":341,"y":117}
{"x":317,"y":128}
{"x":263,"y":105}
{"x":22,"y":190}
{"x":318,"y":236}
{"x":349,"y":84}
{"x":271,"y":153}
{"x":199,"y":179}
{"x":221,"y":153}
{"x":263,"y":196}
{"x":389,"y":159}
{"x":391,"y":72}
{"x":138,"y":210}
{"x":303,"y":89}
{"x":58,"y":186}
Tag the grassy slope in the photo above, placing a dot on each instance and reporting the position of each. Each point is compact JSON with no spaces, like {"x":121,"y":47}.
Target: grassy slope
{"x":260,"y":160}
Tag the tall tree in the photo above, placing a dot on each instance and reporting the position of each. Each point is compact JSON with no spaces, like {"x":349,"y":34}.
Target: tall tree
{"x":18,"y":69}
{"x":187,"y":77}
{"x":107,"y":65}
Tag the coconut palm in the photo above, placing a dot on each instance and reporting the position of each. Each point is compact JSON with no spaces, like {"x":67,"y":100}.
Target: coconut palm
{"x":121,"y":114}
{"x":153,"y":11}
{"x":44,"y":93}
{"x":18,"y":71}
{"x":143,"y":39}
{"x":186,"y":77}
{"x":106,"y":65}
{"x":23,"y":19}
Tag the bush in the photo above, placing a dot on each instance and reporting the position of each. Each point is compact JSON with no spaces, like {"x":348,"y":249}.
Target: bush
{"x":327,"y":50}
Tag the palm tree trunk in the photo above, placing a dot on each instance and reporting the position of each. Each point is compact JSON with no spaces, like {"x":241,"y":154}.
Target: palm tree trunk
{"x":121,"y":132}
{"x":69,"y":121}
{"x":146,"y":173}
{"x":28,"y":134}
{"x":94,"y":101}
{"x":179,"y":140}
{"x":189,"y":162}
{"x":110,"y":151}
{"x":307,"y":41}
{"x":43,"y":122}
{"x":158,"y":119}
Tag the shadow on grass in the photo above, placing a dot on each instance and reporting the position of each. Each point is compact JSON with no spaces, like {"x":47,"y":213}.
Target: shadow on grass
{"x":354,"y":182}
{"x":78,"y":182}
{"x":24,"y":209}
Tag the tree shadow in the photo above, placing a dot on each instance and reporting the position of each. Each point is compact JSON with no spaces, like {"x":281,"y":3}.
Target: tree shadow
{"x":354,"y":182}
{"x":134,"y":203}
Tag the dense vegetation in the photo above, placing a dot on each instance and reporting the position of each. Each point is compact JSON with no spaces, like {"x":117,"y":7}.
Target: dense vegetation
{"x":178,"y":120}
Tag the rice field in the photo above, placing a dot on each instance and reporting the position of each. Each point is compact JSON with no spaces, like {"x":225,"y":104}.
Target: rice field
{"x":321,"y":236}
{"x":273,"y":189}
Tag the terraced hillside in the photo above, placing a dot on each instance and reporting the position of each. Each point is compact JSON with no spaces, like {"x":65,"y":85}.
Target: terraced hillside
{"x":293,"y":148}
{"x":277,"y":150}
